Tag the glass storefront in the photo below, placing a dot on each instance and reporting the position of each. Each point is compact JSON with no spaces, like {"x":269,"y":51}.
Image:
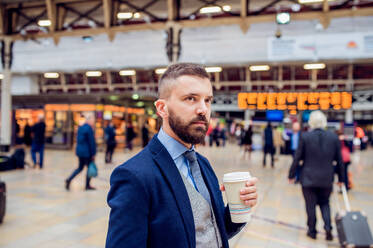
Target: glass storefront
{"x":63,"y":120}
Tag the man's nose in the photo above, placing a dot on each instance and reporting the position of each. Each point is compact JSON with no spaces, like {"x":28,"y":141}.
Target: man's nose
{"x":202,"y":108}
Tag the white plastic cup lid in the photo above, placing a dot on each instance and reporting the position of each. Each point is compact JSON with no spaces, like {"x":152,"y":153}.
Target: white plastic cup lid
{"x":236,"y":176}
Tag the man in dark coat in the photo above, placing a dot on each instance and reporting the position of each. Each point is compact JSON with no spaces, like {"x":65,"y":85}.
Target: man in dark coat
{"x":38,"y":133}
{"x":269,"y":147}
{"x":130,"y":135}
{"x":145,"y":135}
{"x":85,"y":150}
{"x":27,"y":135}
{"x":110,"y":142}
{"x":154,"y":201}
{"x":318,"y":150}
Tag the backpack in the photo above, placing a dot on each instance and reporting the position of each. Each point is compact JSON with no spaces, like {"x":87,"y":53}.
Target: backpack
{"x":346,"y":155}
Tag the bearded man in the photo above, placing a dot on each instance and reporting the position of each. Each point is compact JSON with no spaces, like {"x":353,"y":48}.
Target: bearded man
{"x":168,"y":195}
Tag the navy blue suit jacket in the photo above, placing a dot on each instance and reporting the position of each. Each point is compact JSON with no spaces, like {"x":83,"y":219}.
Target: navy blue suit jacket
{"x":86,"y":143}
{"x":150,"y":206}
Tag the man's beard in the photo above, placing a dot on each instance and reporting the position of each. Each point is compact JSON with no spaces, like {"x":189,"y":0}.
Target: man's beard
{"x":186,"y":132}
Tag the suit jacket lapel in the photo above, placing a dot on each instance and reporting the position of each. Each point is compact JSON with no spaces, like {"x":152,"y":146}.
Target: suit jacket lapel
{"x":208,"y":178}
{"x":176,"y":184}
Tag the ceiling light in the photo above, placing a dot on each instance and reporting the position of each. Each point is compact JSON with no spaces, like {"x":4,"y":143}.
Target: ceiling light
{"x":211,"y":9}
{"x":140,"y":104}
{"x":124,"y":15}
{"x":227,"y":8}
{"x":136,"y":15}
{"x":113,"y":98}
{"x":259,"y":68}
{"x":314,"y":66}
{"x":51,"y":75}
{"x":213,"y":69}
{"x":295,"y":7}
{"x":93,"y":74}
{"x":313,"y":1}
{"x":283,"y":18}
{"x":160,"y":70}
{"x":127,"y":73}
{"x":44,"y":23}
{"x":135,"y":96}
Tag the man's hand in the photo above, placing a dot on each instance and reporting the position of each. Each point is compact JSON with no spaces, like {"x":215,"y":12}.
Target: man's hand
{"x":248,"y":194}
{"x":291,"y":180}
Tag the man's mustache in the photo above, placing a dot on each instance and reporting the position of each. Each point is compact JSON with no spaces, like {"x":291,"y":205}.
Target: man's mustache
{"x":199,"y":119}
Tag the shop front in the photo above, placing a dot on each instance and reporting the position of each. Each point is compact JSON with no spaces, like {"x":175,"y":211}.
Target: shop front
{"x":63,"y":120}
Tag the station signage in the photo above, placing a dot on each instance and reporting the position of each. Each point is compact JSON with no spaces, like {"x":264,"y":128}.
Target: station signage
{"x":93,"y":107}
{"x":294,"y":100}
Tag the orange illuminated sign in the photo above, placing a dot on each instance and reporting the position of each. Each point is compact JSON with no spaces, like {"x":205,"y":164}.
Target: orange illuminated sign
{"x":92,"y":107}
{"x":139,"y":111}
{"x":56,"y":107}
{"x":294,"y":100}
{"x":82,"y":107}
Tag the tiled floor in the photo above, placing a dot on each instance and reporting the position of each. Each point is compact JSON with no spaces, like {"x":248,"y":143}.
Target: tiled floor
{"x":40,"y":213}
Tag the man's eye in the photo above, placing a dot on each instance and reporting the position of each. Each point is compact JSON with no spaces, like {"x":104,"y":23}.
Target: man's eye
{"x":190,"y":98}
{"x":208,"y":100}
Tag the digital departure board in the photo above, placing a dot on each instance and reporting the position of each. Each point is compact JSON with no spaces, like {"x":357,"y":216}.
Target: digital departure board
{"x":294,"y":100}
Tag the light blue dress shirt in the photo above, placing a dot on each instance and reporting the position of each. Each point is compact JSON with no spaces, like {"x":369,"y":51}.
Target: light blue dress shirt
{"x":176,"y":150}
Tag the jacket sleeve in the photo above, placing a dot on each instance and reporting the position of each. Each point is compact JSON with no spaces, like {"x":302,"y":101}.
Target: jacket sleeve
{"x":128,"y":200}
{"x":91,"y":142}
{"x":338,"y":158}
{"x":299,"y":155}
{"x":232,"y":228}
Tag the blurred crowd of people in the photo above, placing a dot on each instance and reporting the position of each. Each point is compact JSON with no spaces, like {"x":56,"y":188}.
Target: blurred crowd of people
{"x":33,"y":139}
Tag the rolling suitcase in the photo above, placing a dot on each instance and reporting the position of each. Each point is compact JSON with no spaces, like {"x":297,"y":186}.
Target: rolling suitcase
{"x":2,"y":200}
{"x":352,"y":226}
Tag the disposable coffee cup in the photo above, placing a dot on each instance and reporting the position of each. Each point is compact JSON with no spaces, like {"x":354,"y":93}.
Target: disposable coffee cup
{"x":233,"y":183}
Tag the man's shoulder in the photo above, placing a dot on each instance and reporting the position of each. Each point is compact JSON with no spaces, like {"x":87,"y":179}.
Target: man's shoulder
{"x":86,"y":128}
{"x":140,"y":164}
{"x":331,"y":135}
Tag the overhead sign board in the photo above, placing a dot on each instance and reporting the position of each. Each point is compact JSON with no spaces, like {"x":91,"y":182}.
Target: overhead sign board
{"x":294,"y":100}
{"x":321,"y":46}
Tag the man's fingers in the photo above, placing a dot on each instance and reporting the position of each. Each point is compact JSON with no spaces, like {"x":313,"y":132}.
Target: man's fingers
{"x":222,"y":188}
{"x":248,"y":190}
{"x":252,"y":196}
{"x":250,"y":203}
{"x":252,"y":181}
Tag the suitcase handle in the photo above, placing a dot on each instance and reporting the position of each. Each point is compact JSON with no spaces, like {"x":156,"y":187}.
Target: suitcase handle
{"x":345,"y":199}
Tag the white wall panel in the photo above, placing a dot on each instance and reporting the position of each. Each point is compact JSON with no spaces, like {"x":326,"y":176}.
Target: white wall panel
{"x":210,"y":45}
{"x":134,"y":49}
{"x":24,"y":85}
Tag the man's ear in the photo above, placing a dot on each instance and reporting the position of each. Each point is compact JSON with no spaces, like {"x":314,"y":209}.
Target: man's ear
{"x":161,"y":107}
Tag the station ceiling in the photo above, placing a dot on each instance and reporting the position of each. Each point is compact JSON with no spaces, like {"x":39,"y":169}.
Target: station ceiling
{"x":20,"y":19}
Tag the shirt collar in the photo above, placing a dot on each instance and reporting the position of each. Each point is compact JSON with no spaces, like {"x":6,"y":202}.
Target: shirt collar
{"x":174,"y":147}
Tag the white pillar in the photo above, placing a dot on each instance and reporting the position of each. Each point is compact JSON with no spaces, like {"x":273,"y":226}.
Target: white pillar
{"x":349,"y":116}
{"x":248,"y":114}
{"x":6,"y":100}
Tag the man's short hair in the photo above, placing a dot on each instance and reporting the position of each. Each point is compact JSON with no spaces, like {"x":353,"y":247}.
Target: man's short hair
{"x":317,"y":120}
{"x":175,"y":71}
